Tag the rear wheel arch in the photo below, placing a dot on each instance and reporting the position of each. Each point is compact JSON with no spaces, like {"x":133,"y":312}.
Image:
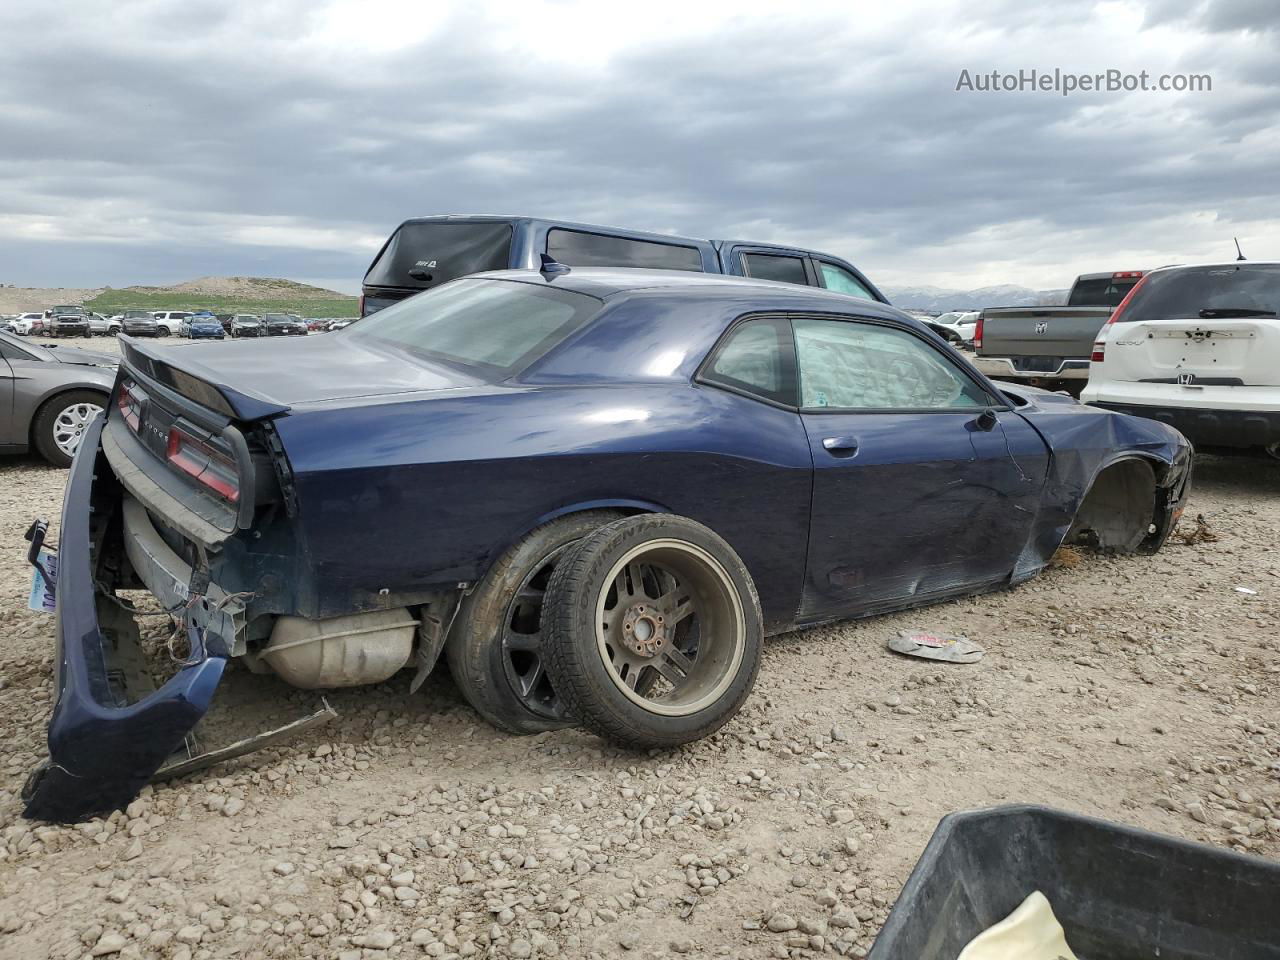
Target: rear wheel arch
{"x":620,"y":506}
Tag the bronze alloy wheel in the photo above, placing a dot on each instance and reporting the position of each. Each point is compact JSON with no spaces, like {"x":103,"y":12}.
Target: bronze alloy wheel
{"x":651,"y":631}
{"x":670,"y":627}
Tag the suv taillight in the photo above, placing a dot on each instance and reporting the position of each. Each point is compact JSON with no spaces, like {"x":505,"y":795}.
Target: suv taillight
{"x":360,"y":311}
{"x":1123,"y":304}
{"x":1099,"y":354}
{"x":202,"y":461}
{"x":977,"y":334}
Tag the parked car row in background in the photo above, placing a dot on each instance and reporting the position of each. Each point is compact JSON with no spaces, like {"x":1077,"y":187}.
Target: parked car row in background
{"x":76,"y":321}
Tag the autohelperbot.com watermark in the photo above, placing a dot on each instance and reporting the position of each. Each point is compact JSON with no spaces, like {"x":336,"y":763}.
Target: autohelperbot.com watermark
{"x":1065,"y":83}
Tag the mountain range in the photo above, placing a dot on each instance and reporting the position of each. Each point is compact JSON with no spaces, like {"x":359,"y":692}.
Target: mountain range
{"x":941,"y":299}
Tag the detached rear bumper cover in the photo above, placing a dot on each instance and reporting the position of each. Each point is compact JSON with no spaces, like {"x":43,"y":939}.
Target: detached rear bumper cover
{"x":102,"y":750}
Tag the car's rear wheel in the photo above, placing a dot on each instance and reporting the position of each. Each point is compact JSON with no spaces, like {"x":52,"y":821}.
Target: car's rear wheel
{"x":652,"y":631}
{"x":61,"y":422}
{"x":494,"y":650}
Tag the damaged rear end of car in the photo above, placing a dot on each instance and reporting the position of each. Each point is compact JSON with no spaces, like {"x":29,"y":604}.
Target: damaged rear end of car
{"x":183,"y":490}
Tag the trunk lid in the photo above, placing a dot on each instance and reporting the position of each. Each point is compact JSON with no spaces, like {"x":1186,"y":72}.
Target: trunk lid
{"x":266,"y":377}
{"x":1242,"y":352}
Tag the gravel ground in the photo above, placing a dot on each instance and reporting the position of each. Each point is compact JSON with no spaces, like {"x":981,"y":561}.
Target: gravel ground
{"x":1144,"y":690}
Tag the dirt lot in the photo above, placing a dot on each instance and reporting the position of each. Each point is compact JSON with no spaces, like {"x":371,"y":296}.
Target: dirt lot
{"x":1144,"y":689}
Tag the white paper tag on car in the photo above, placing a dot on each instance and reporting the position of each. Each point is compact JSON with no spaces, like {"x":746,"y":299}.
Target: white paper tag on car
{"x":41,"y":599}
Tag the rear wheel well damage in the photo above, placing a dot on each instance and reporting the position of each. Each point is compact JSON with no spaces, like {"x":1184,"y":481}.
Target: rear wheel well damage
{"x":1123,"y":510}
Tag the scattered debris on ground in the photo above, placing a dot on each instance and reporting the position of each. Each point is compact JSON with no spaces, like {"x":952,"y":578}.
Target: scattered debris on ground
{"x":1200,"y":533}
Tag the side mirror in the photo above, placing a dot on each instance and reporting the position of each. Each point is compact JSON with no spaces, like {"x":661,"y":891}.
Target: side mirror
{"x":987,"y":420}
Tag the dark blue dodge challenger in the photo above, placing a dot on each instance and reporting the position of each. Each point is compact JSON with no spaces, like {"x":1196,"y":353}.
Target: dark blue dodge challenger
{"x":593,"y":491}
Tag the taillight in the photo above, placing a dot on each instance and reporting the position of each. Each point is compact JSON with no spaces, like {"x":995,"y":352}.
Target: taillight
{"x":205,"y":463}
{"x":130,"y":407}
{"x":977,"y":335}
{"x":361,"y":310}
{"x":1123,"y":305}
{"x":1099,"y":351}
{"x":1126,"y":275}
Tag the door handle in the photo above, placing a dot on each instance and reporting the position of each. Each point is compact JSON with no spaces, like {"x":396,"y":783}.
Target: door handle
{"x":840,"y":446}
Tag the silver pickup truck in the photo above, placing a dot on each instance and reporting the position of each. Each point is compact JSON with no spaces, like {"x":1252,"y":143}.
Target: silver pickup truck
{"x":1050,"y":346}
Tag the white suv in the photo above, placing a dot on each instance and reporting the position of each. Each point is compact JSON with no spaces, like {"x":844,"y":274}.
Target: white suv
{"x":1198,"y":348}
{"x":169,"y":322}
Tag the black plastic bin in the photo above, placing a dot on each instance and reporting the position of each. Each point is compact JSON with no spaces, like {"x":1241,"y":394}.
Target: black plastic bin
{"x":1119,"y":893}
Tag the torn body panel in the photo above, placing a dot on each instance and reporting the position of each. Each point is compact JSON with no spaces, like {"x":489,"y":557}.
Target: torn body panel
{"x":1084,"y":448}
{"x":102,"y":747}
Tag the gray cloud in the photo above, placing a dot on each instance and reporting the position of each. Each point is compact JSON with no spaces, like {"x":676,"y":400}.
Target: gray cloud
{"x":174,"y":140}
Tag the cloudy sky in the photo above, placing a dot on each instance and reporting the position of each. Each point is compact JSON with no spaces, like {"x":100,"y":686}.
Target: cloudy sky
{"x":156,"y":141}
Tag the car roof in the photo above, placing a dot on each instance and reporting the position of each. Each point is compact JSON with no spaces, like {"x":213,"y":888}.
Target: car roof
{"x":569,"y":224}
{"x":1220,"y":263}
{"x":606,"y":283}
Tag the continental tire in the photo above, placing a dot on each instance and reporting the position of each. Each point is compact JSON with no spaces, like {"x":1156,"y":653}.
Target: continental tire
{"x":652,"y":631}
{"x":494,"y":648}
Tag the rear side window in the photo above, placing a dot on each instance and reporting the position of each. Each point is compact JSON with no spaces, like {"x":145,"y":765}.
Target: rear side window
{"x":842,"y":281}
{"x":493,"y":327}
{"x":756,"y":358}
{"x":578,"y":249}
{"x":768,"y":266}
{"x":1102,"y":292}
{"x":1207,"y":293}
{"x":439,"y":252}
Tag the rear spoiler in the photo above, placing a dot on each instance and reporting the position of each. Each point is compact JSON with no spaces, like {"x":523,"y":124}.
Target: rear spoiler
{"x":196,"y":382}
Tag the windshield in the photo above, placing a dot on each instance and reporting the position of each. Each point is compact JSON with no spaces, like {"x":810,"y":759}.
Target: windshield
{"x":496,"y":326}
{"x":136,"y":315}
{"x":277,"y":318}
{"x":1238,"y":290}
{"x":437,"y":252}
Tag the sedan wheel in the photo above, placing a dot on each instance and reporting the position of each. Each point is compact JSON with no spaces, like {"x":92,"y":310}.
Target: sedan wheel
{"x":61,"y":423}
{"x":652,"y":631}
{"x":495,"y":650}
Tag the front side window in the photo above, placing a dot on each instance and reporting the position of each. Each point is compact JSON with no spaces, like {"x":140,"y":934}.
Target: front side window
{"x":848,"y":365}
{"x":579,"y":249}
{"x":842,"y":281}
{"x":493,"y":327}
{"x":768,"y":266}
{"x":756,"y":358}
